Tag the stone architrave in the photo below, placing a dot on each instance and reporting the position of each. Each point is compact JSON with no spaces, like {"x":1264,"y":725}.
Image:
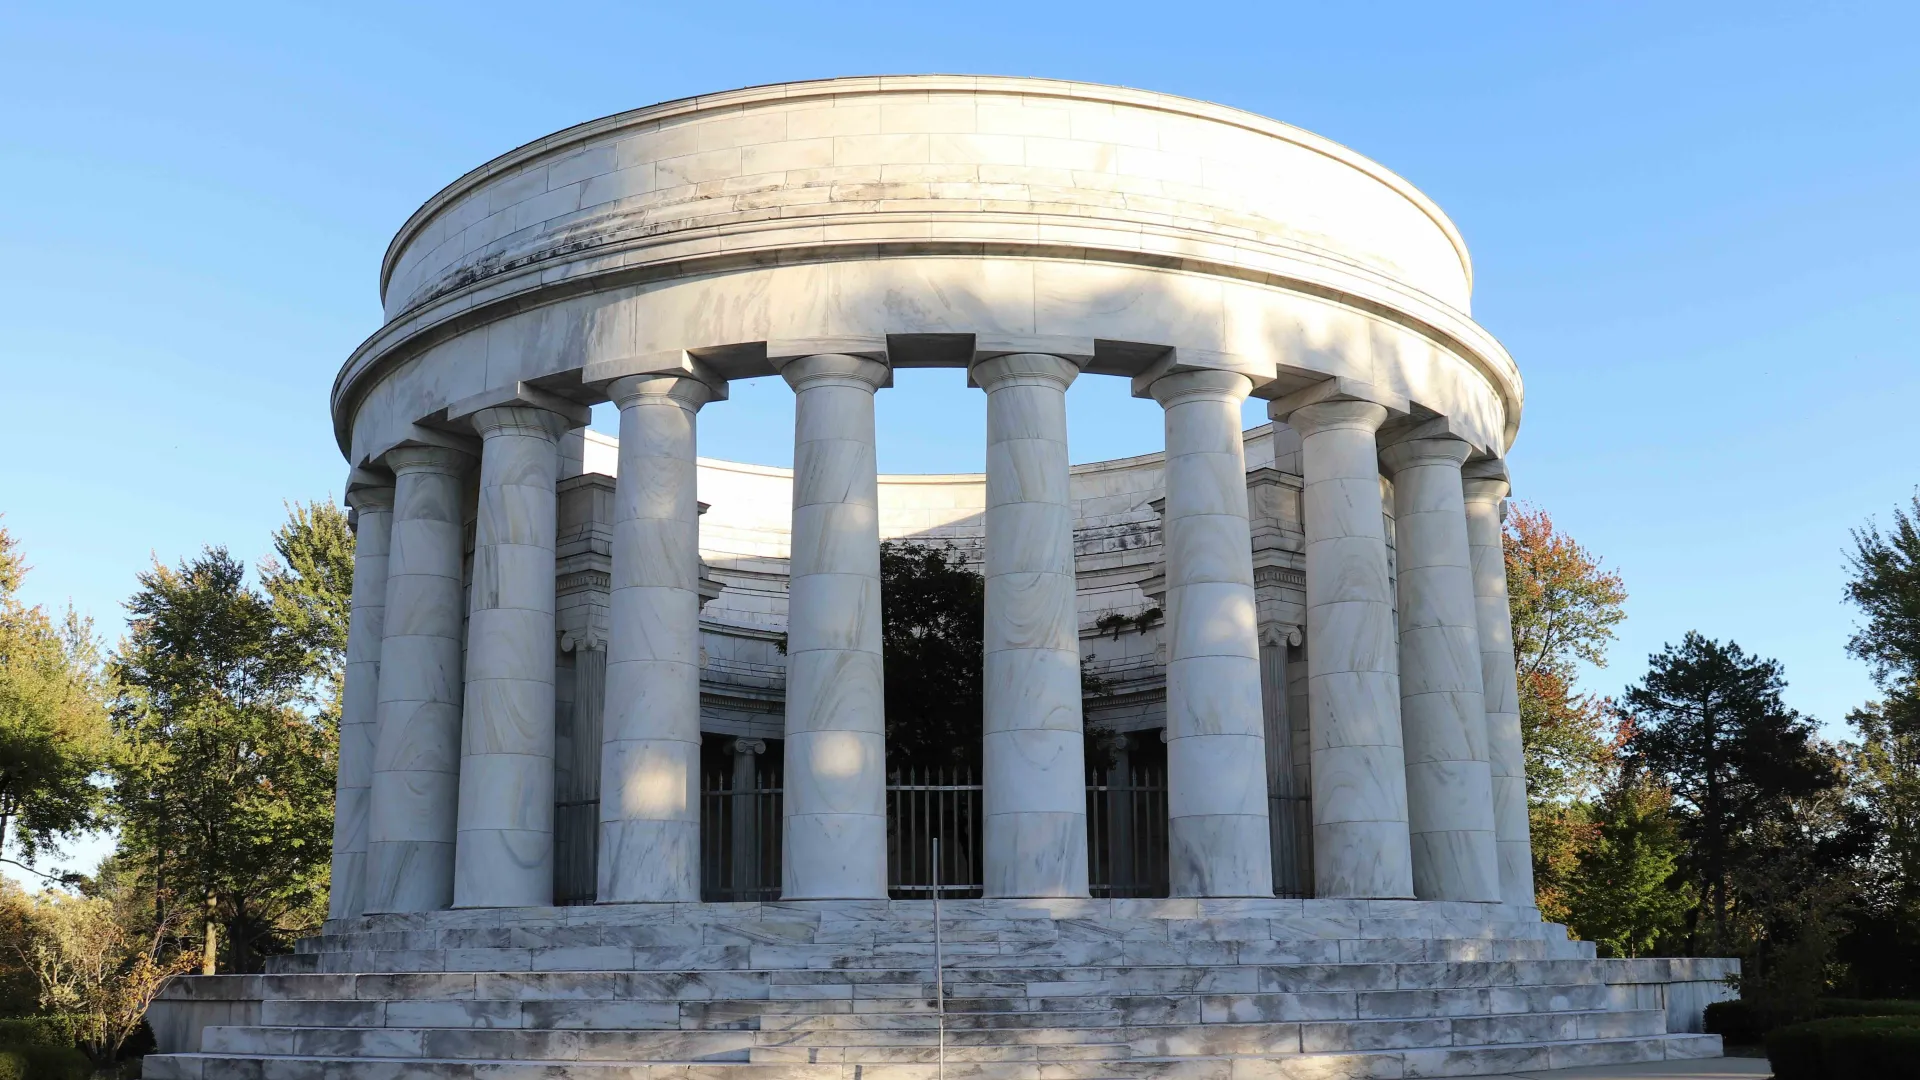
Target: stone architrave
{"x":359,"y":698}
{"x":835,"y":844}
{"x":1506,"y":753}
{"x":1033,"y":746}
{"x":650,"y":756}
{"x":1443,"y":719}
{"x":415,"y":794}
{"x":1218,"y":833}
{"x":1359,"y":775}
{"x":505,"y":837}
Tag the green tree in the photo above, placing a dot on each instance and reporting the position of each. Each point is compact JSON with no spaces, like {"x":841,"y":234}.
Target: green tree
{"x":310,"y":583}
{"x":1883,"y":946}
{"x":53,"y":722}
{"x":224,"y":791}
{"x":932,"y":619}
{"x":1709,"y":723}
{"x":1624,"y":896}
{"x":932,"y":641}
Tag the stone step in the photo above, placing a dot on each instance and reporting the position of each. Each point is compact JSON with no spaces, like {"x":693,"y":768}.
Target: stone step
{"x":955,"y":956}
{"x":482,"y":1043}
{"x":1447,"y":1061}
{"x":610,"y":982}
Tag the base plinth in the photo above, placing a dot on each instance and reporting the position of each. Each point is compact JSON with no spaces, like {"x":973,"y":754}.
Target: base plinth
{"x":844,"y":990}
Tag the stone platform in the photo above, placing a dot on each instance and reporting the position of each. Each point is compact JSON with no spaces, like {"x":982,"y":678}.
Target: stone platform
{"x":1036,"y":990}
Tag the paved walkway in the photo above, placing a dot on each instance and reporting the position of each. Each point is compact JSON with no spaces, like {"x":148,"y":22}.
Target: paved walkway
{"x":1705,"y":1069}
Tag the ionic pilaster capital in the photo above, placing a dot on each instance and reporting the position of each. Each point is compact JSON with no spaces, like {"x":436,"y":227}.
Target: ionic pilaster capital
{"x":1410,"y":453}
{"x":749,"y":747}
{"x":825,"y":369}
{"x":1207,"y":384}
{"x":1024,"y":369}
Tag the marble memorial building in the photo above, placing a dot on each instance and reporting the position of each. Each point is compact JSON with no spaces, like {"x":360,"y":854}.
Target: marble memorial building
{"x":613,"y":785}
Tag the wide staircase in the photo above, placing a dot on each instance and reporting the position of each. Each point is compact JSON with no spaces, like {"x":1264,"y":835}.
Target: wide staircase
{"x":1034,"y":990}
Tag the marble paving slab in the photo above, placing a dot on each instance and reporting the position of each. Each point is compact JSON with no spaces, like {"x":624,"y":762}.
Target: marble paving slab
{"x":1727,"y":1068}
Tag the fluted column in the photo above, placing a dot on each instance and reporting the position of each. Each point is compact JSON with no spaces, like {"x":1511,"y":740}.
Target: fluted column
{"x":505,"y":842}
{"x":835,"y":844}
{"x":1033,"y":749}
{"x":650,"y":760}
{"x":359,"y":699}
{"x":1359,"y":773}
{"x":1218,"y":833}
{"x":1505,"y":751}
{"x":414,"y":801}
{"x":1443,"y":714}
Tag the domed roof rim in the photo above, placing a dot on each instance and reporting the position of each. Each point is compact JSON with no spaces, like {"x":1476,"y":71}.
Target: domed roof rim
{"x":1205,"y":110}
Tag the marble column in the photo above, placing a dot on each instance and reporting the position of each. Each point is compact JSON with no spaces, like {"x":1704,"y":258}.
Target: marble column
{"x":650,"y":760}
{"x":1443,"y":713}
{"x":359,"y":699}
{"x":835,"y":843}
{"x":415,"y":795}
{"x":1218,"y":833}
{"x":1505,"y":753}
{"x":504,"y":854}
{"x":1033,"y":749}
{"x":1358,"y":769}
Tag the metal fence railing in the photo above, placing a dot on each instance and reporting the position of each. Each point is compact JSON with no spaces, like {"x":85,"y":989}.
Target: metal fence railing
{"x":1127,"y":831}
{"x":934,"y":803}
{"x":740,"y":834}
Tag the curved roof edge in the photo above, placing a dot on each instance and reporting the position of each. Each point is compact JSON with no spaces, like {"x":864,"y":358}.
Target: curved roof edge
{"x":688,"y":106}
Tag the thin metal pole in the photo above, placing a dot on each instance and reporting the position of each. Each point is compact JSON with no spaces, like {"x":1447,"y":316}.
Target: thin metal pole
{"x":939,"y":964}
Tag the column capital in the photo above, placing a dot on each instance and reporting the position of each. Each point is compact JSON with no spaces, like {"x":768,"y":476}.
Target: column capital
{"x":1409,"y":453}
{"x":1023,"y":369}
{"x":818,"y":369}
{"x":749,"y":747}
{"x":370,"y":499}
{"x":1484,"y":489}
{"x":516,"y":395}
{"x":1216,"y":384}
{"x":523,"y":420}
{"x":426,"y":458}
{"x":1327,"y":415}
{"x":685,"y":390}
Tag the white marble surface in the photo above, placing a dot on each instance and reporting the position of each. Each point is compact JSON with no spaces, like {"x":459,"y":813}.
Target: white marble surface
{"x":414,"y":798}
{"x":504,"y":843}
{"x":1218,"y":839}
{"x":1361,"y":845}
{"x":650,"y":757}
{"x":1506,"y":755}
{"x":835,"y":797}
{"x":1034,"y":761}
{"x":1443,"y":714}
{"x":359,"y":698}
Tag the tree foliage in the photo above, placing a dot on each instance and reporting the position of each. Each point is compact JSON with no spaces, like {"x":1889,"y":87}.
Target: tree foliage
{"x":1622,"y":895}
{"x":53,"y":722}
{"x":310,"y":584}
{"x":224,"y":791}
{"x":932,"y":622}
{"x":1709,"y":722}
{"x":1565,"y":606}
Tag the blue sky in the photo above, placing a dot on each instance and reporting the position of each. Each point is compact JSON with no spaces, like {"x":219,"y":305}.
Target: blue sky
{"x":1694,"y":226}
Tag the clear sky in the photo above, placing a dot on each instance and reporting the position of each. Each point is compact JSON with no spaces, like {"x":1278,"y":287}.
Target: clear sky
{"x":1693,"y":224}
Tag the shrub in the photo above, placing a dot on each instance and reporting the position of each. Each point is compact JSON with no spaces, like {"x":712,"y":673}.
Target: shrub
{"x":1847,"y":1048}
{"x":21,"y":1031}
{"x":1866,"y":1007}
{"x":12,"y":1065}
{"x":1737,"y":1022}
